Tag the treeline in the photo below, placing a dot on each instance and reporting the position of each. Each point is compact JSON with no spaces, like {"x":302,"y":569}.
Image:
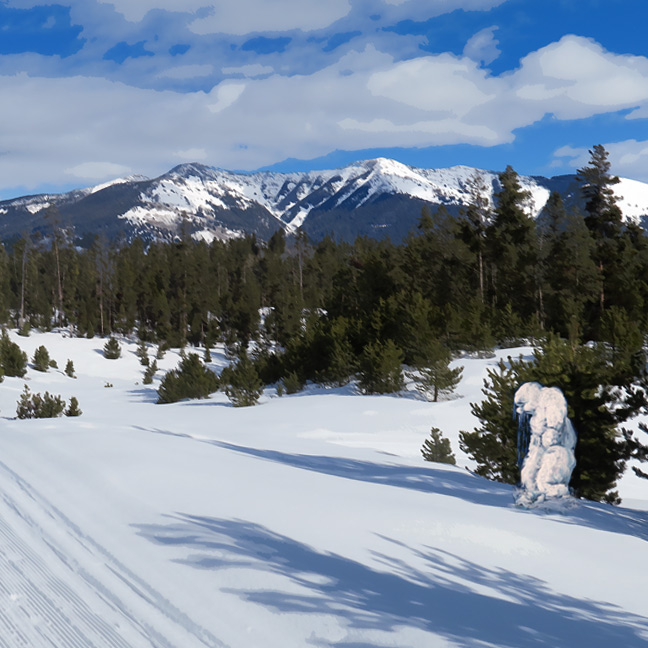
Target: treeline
{"x":492,"y":276}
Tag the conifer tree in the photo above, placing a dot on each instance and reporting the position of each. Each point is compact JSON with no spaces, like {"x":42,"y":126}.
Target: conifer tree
{"x":12,"y":360}
{"x":604,"y":218}
{"x":513,"y":249}
{"x":39,"y":406}
{"x":242,"y":383}
{"x":191,"y":379}
{"x":436,"y":377}
{"x":41,"y":359}
{"x":69,"y":369}
{"x":437,"y":448}
{"x":150,"y":372}
{"x":73,"y":408}
{"x":112,"y":349}
{"x":473,"y":227}
{"x":380,"y":368}
{"x":142,"y":354}
{"x":570,"y":275}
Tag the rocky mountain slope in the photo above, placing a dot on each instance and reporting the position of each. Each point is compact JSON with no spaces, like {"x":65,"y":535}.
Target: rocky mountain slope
{"x":378,"y":198}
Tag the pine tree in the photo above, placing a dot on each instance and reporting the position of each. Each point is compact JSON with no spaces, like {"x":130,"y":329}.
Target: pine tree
{"x":436,"y":377}
{"x":41,"y":359}
{"x":474,"y":225}
{"x":437,"y":448}
{"x":150,"y":372}
{"x":191,"y":379}
{"x":13,"y":361}
{"x":513,"y":251}
{"x":242,"y":383}
{"x":142,"y":353}
{"x":570,"y":276}
{"x":73,"y":408}
{"x":112,"y":349}
{"x":37,"y":406}
{"x":604,"y":218}
{"x":69,"y":369}
{"x":380,"y":368}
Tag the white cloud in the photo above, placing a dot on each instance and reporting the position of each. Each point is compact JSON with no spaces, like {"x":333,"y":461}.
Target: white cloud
{"x":226,"y":94}
{"x":443,"y":84}
{"x":482,"y":47}
{"x":365,"y":99}
{"x":191,"y":155}
{"x":576,"y":78}
{"x":97,"y":170}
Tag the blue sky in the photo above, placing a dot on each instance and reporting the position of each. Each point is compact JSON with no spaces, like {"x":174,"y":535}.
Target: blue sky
{"x":97,"y":89}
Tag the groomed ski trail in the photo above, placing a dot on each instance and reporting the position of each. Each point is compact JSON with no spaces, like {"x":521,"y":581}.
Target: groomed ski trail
{"x":49,"y":598}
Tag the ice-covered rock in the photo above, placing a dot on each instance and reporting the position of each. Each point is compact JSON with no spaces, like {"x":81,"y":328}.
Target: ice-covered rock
{"x":546,"y":442}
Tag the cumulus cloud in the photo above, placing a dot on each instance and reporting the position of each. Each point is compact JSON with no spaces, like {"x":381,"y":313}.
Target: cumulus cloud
{"x":443,"y":84}
{"x":482,"y":47}
{"x":363,"y":100}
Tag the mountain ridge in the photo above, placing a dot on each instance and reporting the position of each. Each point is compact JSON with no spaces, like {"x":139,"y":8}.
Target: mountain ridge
{"x":379,"y":198}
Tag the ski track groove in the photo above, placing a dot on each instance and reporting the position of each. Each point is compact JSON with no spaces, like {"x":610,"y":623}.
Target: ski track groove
{"x":59,"y":616}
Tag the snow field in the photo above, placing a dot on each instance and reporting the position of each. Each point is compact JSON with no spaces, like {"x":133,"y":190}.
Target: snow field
{"x":308,"y":520}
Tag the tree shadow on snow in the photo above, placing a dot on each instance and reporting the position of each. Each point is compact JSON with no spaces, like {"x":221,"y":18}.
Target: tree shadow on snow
{"x":444,"y":480}
{"x":460,"y":600}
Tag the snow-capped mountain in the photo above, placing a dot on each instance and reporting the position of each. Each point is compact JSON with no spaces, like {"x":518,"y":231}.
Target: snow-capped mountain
{"x":377,"y":198}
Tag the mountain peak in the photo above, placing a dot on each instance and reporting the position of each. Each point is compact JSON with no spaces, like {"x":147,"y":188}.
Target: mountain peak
{"x":378,"y":198}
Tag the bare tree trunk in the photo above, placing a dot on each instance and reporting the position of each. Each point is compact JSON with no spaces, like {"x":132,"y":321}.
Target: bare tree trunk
{"x":21,"y":321}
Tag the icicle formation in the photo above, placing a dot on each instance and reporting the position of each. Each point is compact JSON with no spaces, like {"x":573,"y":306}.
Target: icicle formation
{"x":546,"y":442}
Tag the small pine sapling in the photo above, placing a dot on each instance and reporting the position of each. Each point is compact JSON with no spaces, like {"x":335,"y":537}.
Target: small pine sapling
{"x":149,"y":373}
{"x":69,"y":369}
{"x":73,"y":408}
{"x":242,"y":383}
{"x":112,"y":349}
{"x":41,"y":359}
{"x":437,"y":448}
{"x":142,"y":354}
{"x":292,"y":383}
{"x":37,"y":406}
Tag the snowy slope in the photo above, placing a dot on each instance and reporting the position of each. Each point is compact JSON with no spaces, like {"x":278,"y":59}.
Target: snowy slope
{"x":309,"y":520}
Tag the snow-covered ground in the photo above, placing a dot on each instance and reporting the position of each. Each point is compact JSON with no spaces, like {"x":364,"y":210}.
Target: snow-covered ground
{"x":308,"y":520}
